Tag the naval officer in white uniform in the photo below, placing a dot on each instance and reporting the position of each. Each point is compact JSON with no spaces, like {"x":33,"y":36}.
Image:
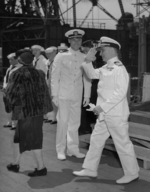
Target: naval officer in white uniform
{"x":67,"y":82}
{"x":51,"y":53}
{"x":112,"y":110}
{"x":39,"y":62}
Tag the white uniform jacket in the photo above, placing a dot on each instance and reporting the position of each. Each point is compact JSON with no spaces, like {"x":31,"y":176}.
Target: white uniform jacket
{"x":68,"y":76}
{"x":112,"y":87}
{"x":40,"y":63}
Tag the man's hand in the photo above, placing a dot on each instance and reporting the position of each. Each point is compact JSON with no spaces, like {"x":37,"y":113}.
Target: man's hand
{"x":86,"y":101}
{"x":55,"y":100}
{"x":92,"y":106}
{"x":90,"y":55}
{"x":96,"y":109}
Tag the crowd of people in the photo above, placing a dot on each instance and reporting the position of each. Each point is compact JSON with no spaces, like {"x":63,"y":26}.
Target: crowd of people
{"x":64,"y":86}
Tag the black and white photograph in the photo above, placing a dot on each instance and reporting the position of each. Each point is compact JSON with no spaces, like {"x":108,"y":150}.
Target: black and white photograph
{"x":74,"y":96}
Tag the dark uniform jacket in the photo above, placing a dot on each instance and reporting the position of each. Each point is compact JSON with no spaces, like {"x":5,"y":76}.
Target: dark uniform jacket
{"x":27,"y":93}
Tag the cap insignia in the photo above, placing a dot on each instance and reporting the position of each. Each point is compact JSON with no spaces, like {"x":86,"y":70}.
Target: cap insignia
{"x":75,"y":33}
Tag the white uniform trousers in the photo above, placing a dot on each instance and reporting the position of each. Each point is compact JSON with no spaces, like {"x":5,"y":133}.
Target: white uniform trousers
{"x":117,"y":127}
{"x":68,"y":122}
{"x":51,"y":115}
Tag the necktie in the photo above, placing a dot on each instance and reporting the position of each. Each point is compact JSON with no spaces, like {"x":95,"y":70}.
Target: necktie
{"x":49,"y":69}
{"x":36,"y":63}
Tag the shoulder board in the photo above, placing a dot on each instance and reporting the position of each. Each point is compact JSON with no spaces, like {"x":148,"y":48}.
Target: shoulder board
{"x":118,"y":63}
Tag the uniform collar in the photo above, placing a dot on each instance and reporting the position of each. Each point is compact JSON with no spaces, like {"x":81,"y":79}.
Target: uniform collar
{"x":39,"y":57}
{"x":72,"y":51}
{"x":111,"y":61}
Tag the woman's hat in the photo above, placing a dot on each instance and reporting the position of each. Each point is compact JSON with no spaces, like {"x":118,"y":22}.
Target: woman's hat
{"x":26,"y":58}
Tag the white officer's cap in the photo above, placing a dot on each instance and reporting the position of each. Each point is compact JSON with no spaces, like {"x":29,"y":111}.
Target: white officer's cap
{"x":108,"y":42}
{"x":62,"y":46}
{"x":27,"y":48}
{"x":74,"y":33}
{"x":42,"y":49}
{"x":37,"y":47}
{"x":50,"y":49}
{"x":11,"y":55}
{"x":87,"y":43}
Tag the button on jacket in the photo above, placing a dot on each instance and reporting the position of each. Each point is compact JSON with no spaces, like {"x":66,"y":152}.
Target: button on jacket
{"x":68,"y":76}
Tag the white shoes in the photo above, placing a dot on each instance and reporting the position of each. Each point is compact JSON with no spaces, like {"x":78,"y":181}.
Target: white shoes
{"x":127,"y":179}
{"x":85,"y":172}
{"x":78,"y":154}
{"x":61,"y":156}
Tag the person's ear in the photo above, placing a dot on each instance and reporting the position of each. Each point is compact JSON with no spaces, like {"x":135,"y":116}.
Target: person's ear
{"x":68,"y":40}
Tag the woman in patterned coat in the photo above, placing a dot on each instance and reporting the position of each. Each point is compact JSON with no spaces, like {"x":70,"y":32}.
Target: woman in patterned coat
{"x":28,"y":95}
